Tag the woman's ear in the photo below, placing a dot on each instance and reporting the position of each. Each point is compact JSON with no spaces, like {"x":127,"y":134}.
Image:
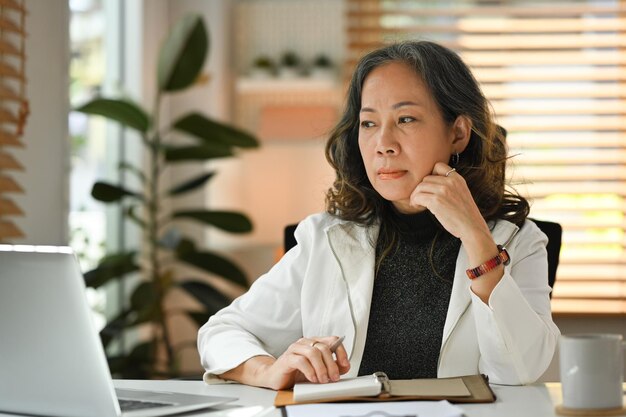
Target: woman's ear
{"x":461,"y":131}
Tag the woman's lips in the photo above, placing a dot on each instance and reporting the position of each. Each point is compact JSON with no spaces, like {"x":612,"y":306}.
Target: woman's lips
{"x":390,"y":174}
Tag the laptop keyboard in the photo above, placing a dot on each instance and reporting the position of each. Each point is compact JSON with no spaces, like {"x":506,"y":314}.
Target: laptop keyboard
{"x":132,"y":405}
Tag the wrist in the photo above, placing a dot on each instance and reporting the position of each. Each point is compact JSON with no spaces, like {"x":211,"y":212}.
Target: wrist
{"x":502,"y":258}
{"x":476,"y":234}
{"x":479,"y":247}
{"x":262,"y":365}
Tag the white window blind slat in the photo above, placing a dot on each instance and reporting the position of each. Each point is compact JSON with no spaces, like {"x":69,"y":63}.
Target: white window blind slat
{"x":555,"y":73}
{"x":566,"y":140}
{"x":494,"y":25}
{"x":572,"y":173}
{"x":554,"y":90}
{"x":571,"y":156}
{"x":558,"y":57}
{"x":559,"y":107}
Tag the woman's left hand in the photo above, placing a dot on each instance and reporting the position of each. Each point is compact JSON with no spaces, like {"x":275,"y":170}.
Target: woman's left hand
{"x":446,"y":195}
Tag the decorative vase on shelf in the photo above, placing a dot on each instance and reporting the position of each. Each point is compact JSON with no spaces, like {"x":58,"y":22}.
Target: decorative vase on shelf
{"x":290,"y":65}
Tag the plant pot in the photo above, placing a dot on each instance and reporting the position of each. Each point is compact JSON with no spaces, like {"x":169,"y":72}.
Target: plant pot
{"x":289,"y":72}
{"x":261,"y":73}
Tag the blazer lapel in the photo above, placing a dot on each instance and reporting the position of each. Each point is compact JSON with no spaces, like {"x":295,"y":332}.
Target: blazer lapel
{"x":352,"y":246}
{"x":460,"y":296}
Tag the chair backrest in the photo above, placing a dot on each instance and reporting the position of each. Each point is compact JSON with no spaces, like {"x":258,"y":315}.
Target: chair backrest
{"x":289,"y":240}
{"x":553,"y":230}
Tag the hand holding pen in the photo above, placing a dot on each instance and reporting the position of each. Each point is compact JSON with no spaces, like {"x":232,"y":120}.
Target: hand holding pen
{"x":313,"y":359}
{"x":332,"y":347}
{"x":327,"y":358}
{"x":334,"y":357}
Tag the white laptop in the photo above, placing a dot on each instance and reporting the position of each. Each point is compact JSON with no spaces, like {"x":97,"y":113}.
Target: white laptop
{"x":51,"y":359}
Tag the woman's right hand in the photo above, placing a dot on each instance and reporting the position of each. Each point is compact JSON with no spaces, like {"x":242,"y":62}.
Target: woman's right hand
{"x":308,"y":359}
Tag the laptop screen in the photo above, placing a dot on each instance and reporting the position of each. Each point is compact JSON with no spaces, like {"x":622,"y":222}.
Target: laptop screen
{"x":51,"y":357}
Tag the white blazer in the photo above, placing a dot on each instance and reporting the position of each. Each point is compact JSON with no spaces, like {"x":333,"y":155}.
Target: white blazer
{"x":323,"y":287}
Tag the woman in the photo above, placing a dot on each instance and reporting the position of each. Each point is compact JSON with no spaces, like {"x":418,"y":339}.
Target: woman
{"x":422,"y":260}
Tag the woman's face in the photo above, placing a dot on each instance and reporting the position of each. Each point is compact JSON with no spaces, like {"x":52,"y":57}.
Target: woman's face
{"x":402,"y":133}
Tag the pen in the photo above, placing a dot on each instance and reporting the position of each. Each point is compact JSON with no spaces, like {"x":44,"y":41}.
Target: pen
{"x":335,"y":345}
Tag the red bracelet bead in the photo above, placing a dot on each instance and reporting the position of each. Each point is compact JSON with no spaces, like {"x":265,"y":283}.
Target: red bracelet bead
{"x":501,"y":258}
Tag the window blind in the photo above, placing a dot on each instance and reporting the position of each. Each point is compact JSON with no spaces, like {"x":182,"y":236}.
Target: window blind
{"x":555,"y":73}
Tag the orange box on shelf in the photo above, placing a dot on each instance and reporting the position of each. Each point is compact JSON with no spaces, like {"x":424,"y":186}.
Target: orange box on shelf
{"x":296,"y":122}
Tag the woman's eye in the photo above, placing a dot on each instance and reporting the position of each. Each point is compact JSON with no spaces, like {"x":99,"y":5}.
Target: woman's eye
{"x":366,"y":124}
{"x":406,"y":119}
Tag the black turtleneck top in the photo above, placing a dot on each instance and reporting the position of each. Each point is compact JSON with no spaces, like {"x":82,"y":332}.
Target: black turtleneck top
{"x":410,"y":299}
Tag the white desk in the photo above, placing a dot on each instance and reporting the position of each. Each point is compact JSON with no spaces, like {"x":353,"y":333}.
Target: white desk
{"x":536,"y":400}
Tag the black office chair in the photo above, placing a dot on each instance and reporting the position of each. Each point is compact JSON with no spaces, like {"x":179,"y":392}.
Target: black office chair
{"x":554,"y":231}
{"x":289,"y":240}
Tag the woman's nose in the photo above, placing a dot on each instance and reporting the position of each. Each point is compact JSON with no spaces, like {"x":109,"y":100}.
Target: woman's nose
{"x":387,"y":145}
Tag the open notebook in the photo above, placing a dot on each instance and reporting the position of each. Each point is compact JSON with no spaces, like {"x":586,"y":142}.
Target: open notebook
{"x":378,"y":387}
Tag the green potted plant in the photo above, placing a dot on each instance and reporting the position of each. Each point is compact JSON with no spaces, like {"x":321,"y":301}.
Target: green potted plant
{"x":322,"y":67}
{"x":180,"y":62}
{"x":262,"y":68}
{"x":290,"y":65}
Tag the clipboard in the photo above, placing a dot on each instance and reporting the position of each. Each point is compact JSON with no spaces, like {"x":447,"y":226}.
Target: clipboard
{"x":477,"y":390}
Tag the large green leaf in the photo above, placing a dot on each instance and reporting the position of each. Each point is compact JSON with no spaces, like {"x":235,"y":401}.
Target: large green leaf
{"x":197,"y":153}
{"x":122,"y":111}
{"x":143,"y":351}
{"x":118,"y":365}
{"x":109,"y":193}
{"x":110,"y":267}
{"x":215,"y":264}
{"x":185,"y":245}
{"x":209,"y":297}
{"x":138,"y":364}
{"x":200,"y":317}
{"x":228,"y":221}
{"x":183,"y":54}
{"x":114,"y":327}
{"x":211,"y":131}
{"x":191,"y":184}
{"x":144,"y":297}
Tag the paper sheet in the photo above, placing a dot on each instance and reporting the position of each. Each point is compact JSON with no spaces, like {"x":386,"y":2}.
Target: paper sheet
{"x":377,"y":409}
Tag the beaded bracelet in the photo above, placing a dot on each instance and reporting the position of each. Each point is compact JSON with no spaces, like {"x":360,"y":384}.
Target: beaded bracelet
{"x":501,"y":258}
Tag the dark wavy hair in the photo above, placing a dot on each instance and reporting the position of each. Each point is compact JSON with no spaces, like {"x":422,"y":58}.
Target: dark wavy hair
{"x":457,"y":93}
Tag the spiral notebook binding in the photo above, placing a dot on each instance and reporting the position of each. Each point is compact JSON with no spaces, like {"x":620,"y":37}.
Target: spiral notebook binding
{"x":385,"y":390}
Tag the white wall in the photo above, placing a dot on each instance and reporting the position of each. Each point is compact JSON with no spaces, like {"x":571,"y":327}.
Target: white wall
{"x":46,"y":155}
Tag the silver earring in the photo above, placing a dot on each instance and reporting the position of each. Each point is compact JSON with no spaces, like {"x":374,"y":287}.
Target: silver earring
{"x":454,"y":160}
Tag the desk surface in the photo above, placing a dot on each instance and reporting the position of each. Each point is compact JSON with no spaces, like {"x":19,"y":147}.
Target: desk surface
{"x":536,"y":400}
